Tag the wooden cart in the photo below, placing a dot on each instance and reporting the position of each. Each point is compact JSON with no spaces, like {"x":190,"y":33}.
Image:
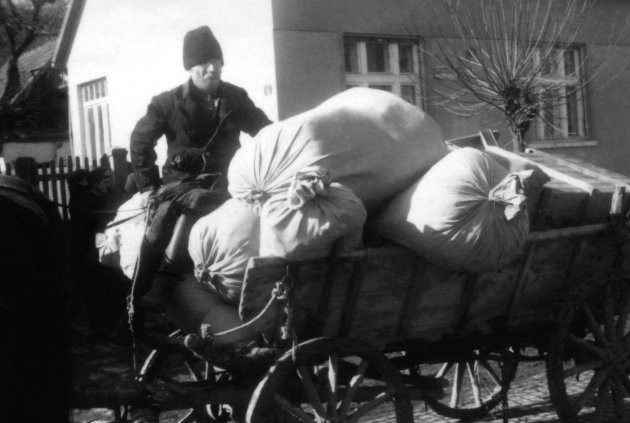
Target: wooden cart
{"x":383,"y":327}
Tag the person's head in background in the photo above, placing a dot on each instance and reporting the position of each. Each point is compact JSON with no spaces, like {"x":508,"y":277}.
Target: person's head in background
{"x":100,"y":180}
{"x":77,"y":181}
{"x":203,"y":59}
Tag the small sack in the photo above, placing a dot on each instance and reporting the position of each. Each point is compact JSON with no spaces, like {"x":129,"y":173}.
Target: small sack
{"x":313,"y":217}
{"x":119,"y":247}
{"x":220,"y":245}
{"x":467,"y":213}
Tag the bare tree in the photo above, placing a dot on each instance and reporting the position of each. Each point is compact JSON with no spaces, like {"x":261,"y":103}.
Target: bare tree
{"x":513,"y":56}
{"x":22,"y":23}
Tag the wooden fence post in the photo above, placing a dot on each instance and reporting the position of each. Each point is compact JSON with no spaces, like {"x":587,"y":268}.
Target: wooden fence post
{"x":26,"y":168}
{"x":121,"y":168}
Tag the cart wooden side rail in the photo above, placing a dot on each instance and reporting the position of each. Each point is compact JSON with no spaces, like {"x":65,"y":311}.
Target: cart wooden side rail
{"x":389,"y":294}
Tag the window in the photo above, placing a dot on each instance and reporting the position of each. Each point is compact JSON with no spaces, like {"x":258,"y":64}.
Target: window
{"x":563,"y":112}
{"x":95,"y":133}
{"x":384,"y":64}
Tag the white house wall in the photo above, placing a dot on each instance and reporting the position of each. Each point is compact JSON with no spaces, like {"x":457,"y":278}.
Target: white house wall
{"x":137,"y":46}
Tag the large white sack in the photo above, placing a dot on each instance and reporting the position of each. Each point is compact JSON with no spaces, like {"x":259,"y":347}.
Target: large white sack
{"x":220,"y":245}
{"x":371,"y":141}
{"x":121,"y":244}
{"x":467,"y":213}
{"x":311,"y":218}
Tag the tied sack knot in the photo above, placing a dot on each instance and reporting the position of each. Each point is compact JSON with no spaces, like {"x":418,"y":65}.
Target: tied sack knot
{"x":202,"y":274}
{"x":510,"y":193}
{"x":307,"y":184}
{"x":256,"y":197}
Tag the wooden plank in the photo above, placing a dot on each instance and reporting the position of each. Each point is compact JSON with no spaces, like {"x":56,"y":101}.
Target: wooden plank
{"x":62,"y":188}
{"x":473,"y":141}
{"x":480,"y":140}
{"x":551,"y":172}
{"x":561,"y":205}
{"x":310,"y":279}
{"x":490,"y":300}
{"x":542,"y":278}
{"x":260,"y":278}
{"x":380,"y":300}
{"x":433,"y":304}
{"x":354,"y":290}
{"x":596,"y":182}
{"x":461,"y":312}
{"x":597,"y":256}
{"x":413,"y":293}
{"x":44,"y":178}
{"x":306,"y":294}
{"x":334,"y":297}
{"x":587,"y":169}
{"x":573,"y":232}
{"x":54,"y":183}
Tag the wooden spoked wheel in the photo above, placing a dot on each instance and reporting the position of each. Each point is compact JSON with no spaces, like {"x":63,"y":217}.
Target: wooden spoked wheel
{"x":166,"y":366}
{"x":330,"y":380}
{"x":476,"y":385}
{"x":588,"y":363}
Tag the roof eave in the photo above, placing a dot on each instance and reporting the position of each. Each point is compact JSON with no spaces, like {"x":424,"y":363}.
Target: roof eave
{"x":68,"y":32}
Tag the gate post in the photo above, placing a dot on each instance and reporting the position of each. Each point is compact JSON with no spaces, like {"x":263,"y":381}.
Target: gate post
{"x":26,"y":168}
{"x":121,"y":168}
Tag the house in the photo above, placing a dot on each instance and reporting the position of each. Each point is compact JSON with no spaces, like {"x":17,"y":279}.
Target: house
{"x":34,"y":121}
{"x":290,"y":55}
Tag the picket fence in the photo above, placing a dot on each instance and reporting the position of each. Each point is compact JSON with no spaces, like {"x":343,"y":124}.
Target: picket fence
{"x":51,"y":178}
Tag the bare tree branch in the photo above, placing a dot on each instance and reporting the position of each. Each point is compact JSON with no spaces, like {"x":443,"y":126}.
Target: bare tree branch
{"x":508,"y":54}
{"x":22,"y":23}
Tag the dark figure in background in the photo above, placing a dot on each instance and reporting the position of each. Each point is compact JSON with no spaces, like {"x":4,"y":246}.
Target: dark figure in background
{"x":102,"y":288}
{"x":34,"y":352}
{"x":201,"y":120}
{"x":89,"y":210}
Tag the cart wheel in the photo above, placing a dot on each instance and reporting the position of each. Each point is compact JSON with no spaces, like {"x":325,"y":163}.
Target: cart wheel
{"x":589,"y":355}
{"x":167,"y":366}
{"x":330,"y":380}
{"x":476,"y":385}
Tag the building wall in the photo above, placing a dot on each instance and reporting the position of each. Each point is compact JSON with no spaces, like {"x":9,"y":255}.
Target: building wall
{"x":288,"y":54}
{"x":41,"y":152}
{"x":309,"y":44}
{"x":137,"y":46}
{"x":309,"y":62}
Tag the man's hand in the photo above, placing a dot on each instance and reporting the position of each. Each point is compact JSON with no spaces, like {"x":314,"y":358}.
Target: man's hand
{"x":147,"y":196}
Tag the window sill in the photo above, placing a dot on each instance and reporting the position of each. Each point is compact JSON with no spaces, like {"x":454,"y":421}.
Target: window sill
{"x":550,"y":144}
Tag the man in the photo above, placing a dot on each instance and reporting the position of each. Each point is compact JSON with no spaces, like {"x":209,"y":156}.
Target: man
{"x":189,"y":116}
{"x":201,"y":120}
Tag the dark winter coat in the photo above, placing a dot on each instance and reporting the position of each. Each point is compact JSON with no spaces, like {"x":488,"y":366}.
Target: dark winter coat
{"x":188,"y":125}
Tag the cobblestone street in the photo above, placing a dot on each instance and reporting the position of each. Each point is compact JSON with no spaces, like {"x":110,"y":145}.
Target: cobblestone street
{"x":528,"y":396}
{"x":528,"y":403}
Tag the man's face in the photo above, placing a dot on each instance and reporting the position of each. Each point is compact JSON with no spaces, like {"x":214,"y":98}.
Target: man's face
{"x":207,"y":76}
{"x":105,"y":185}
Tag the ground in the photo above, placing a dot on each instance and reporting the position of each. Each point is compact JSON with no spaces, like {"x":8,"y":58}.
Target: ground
{"x":105,"y":363}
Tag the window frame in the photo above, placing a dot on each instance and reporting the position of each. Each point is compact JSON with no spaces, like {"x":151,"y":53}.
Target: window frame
{"x":394,"y":77}
{"x":93,"y":102}
{"x":561,"y":136}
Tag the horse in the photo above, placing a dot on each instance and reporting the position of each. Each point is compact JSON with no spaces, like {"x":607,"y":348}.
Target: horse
{"x":34,"y":353}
